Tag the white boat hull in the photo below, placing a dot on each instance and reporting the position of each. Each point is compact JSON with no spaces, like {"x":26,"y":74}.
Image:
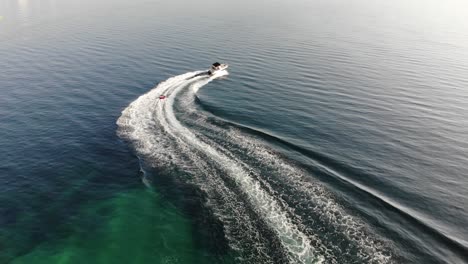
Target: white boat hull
{"x":215,"y":69}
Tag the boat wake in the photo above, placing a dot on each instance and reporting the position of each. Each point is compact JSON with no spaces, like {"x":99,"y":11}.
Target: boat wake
{"x":271,"y":210}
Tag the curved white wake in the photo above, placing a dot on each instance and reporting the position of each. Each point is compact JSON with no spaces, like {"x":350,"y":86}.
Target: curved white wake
{"x":152,"y":126}
{"x":150,"y":106}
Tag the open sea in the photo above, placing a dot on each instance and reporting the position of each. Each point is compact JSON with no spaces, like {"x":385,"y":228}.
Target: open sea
{"x":338,"y":134}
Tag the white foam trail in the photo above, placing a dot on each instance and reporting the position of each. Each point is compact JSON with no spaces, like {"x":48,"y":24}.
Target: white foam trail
{"x":160,"y":112}
{"x":307,"y":193}
{"x":292,"y":238}
{"x":330,"y":211}
{"x":139,"y":123}
{"x":312,"y":196}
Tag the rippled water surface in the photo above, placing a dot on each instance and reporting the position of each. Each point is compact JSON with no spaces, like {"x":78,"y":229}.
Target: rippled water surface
{"x":338,"y":134}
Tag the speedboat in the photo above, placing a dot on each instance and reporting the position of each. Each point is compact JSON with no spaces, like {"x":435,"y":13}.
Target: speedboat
{"x":216,"y":67}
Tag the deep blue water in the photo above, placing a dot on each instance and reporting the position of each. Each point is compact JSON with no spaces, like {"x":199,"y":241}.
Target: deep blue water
{"x":339,"y":135}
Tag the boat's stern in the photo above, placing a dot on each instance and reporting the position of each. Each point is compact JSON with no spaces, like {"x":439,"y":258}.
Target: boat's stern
{"x":218,"y":67}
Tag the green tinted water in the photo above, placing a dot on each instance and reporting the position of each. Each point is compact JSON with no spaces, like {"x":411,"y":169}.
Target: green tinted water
{"x":134,"y":227}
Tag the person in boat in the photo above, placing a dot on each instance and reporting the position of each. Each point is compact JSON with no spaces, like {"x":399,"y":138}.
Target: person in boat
{"x":217,"y":66}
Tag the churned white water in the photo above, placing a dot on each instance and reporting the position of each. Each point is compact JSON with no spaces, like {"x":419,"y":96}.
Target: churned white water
{"x":153,"y":127}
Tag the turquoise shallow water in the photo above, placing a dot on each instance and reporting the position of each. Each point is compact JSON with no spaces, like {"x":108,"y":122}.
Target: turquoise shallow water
{"x":339,"y":134}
